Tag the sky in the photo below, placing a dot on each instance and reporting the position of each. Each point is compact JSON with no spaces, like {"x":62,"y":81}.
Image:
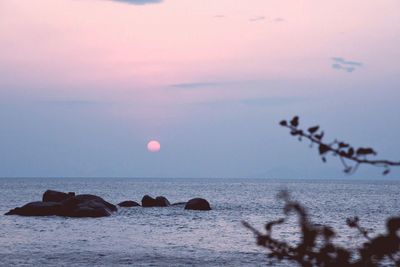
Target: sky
{"x":86,"y":84}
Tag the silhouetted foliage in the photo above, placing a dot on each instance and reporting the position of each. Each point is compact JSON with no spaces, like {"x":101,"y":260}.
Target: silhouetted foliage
{"x":350,"y":156}
{"x":315,"y":247}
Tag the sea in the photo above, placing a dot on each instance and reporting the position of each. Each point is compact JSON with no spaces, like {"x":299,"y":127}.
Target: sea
{"x":173,"y":236}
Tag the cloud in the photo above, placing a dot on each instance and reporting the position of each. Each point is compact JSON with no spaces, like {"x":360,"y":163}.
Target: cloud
{"x":139,"y":2}
{"x":273,"y":20}
{"x":74,"y":103}
{"x":271,"y":101}
{"x":219,"y":16}
{"x":258,"y":18}
{"x":195,"y":85}
{"x":340,"y":63}
{"x":278,"y":19}
{"x":340,"y":67}
{"x":255,"y":102}
{"x":341,"y":60}
{"x":230,"y":84}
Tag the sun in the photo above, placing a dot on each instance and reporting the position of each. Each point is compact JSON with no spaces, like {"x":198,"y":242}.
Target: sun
{"x":153,"y":146}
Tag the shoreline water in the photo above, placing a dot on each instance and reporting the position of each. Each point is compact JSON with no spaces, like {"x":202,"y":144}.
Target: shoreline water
{"x":153,"y":236}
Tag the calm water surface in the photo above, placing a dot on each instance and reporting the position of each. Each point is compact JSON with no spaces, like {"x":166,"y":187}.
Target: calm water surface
{"x":172,"y":236}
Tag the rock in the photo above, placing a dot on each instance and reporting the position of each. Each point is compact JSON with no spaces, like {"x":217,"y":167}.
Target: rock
{"x":128,"y":204}
{"x":37,"y":208}
{"x":162,"y":202}
{"x":197,"y":204}
{"x":87,"y":206}
{"x":88,"y":210}
{"x":148,"y":201}
{"x":55,"y":196}
{"x":73,"y":206}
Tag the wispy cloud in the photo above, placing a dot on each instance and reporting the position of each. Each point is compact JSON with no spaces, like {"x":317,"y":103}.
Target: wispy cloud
{"x":346,"y":62}
{"x":341,"y":67}
{"x":272,"y":101}
{"x":340,"y":63}
{"x":195,"y":85}
{"x":257,"y":18}
{"x":278,"y":19}
{"x":74,"y":103}
{"x":219,"y":16}
{"x":139,"y":2}
{"x":232,"y":84}
{"x":255,"y":102}
{"x":273,"y":20}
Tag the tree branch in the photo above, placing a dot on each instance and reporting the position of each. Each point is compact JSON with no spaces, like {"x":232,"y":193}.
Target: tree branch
{"x":338,"y":148}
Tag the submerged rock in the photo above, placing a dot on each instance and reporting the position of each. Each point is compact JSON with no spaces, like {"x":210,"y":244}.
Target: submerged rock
{"x":73,"y":206}
{"x":197,"y":204}
{"x":128,"y":204}
{"x":148,"y":201}
{"x":179,"y":204}
{"x":56,"y":196}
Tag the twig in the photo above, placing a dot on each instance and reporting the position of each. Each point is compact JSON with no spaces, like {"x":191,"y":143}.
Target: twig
{"x":339,"y":148}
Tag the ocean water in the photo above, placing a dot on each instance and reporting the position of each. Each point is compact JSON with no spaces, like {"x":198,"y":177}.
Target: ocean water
{"x":173,"y":236}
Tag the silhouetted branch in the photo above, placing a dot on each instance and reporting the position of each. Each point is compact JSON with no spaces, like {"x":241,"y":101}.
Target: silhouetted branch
{"x":347,"y":153}
{"x":315,"y":247}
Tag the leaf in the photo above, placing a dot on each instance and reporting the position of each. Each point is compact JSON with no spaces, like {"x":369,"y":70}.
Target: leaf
{"x":323,"y":159}
{"x":350,"y":152}
{"x":323,"y":149}
{"x":296,"y":132}
{"x":352,"y":222}
{"x":343,"y":145}
{"x":328,"y":232}
{"x":295,"y":121}
{"x":386,"y":172}
{"x":365,"y":151}
{"x":348,"y":169}
{"x":283,"y":123}
{"x":313,"y":129}
{"x":319,"y":136}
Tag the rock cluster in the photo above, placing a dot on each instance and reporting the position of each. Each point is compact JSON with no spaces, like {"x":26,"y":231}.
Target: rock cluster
{"x":55,"y":203}
{"x":66,"y":204}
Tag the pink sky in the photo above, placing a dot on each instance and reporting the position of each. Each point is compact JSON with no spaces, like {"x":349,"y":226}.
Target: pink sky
{"x":103,"y":41}
{"x":155,"y":63}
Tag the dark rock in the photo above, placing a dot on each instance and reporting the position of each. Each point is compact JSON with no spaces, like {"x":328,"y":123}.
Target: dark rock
{"x":37,"y":208}
{"x":90,"y":209}
{"x":87,"y":206}
{"x":55,"y":196}
{"x":73,"y":206}
{"x":148,"y":201}
{"x":128,"y":204}
{"x":197,"y":204}
{"x":162,"y":202}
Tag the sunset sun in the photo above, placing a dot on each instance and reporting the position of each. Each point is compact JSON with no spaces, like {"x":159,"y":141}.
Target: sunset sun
{"x":269,"y":114}
{"x":153,"y":146}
